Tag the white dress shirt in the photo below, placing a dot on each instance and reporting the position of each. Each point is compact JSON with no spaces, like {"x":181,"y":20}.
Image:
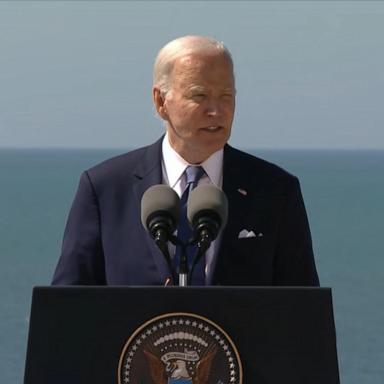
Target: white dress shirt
{"x":173,"y":167}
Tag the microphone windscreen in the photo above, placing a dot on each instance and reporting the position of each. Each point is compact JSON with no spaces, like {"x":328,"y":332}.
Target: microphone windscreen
{"x":159,"y":199}
{"x":207,"y":197}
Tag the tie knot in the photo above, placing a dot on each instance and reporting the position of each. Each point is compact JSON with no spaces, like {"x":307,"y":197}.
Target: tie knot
{"x":193,"y":174}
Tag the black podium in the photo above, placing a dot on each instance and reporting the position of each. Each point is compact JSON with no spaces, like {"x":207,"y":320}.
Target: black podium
{"x":78,"y":335}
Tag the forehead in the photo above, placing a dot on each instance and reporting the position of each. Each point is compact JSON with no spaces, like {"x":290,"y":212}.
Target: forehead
{"x":203,"y":69}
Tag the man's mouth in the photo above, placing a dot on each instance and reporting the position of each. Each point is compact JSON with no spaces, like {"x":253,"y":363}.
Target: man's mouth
{"x":214,"y":128}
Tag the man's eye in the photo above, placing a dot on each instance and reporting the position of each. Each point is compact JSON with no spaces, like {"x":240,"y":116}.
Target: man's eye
{"x":198,"y":96}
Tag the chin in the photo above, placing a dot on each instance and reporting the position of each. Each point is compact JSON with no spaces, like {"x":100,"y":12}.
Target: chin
{"x":214,"y":144}
{"x":211,"y":149}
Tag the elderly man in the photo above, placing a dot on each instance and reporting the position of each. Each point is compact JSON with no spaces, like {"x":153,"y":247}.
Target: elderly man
{"x":266,"y":240}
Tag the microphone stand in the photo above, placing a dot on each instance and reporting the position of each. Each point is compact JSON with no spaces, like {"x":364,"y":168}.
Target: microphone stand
{"x":203,"y":243}
{"x":161,"y":240}
{"x":183,"y":268}
{"x":184,"y":274}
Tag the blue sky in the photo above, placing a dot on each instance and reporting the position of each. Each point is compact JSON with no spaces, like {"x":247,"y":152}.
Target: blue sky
{"x":78,"y":74}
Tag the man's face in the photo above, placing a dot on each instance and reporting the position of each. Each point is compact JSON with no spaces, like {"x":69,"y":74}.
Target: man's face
{"x":200,"y":105}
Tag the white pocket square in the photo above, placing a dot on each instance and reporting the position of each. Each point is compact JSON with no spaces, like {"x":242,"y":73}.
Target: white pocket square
{"x":246,"y":234}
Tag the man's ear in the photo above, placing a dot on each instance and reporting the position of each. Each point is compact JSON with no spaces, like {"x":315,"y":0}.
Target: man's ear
{"x":159,"y":102}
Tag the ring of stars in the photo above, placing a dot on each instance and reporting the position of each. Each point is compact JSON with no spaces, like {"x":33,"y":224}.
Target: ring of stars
{"x":181,"y":341}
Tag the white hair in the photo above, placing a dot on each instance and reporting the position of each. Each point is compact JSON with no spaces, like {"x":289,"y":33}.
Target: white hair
{"x":180,"y":47}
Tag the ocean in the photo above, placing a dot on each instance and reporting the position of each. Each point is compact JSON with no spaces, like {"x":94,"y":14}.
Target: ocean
{"x":344,"y":196}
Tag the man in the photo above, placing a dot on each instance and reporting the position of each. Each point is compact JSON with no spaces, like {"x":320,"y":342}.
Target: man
{"x":266,"y":240}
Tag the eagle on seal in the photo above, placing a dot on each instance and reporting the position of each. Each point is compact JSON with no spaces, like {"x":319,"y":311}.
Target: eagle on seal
{"x":179,"y":373}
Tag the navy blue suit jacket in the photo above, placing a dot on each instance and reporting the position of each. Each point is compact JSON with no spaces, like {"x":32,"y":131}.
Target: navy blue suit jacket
{"x":105,"y":242}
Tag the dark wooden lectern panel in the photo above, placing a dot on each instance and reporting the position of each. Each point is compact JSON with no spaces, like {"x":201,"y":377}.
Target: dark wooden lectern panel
{"x":283,"y":335}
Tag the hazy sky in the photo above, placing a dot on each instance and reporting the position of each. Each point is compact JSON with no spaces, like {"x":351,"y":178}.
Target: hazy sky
{"x":78,"y":74}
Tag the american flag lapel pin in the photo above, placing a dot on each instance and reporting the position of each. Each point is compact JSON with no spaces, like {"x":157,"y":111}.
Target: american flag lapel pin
{"x":242,"y":191}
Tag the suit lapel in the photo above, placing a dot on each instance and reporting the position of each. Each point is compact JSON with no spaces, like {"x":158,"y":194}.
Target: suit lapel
{"x":235,"y":186}
{"x":148,"y":172}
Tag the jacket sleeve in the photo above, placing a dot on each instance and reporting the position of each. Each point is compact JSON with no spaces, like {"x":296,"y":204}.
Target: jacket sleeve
{"x":82,"y":260}
{"x":294,"y":261}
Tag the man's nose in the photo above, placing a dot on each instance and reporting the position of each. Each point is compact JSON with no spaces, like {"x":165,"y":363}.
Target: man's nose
{"x":214,"y":107}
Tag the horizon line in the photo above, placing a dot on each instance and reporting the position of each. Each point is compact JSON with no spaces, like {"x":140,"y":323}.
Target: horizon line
{"x":127,"y":149}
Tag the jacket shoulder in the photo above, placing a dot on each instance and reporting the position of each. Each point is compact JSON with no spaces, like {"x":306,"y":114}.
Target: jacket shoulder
{"x":257,"y":167}
{"x":127,"y":164}
{"x":124,"y":161}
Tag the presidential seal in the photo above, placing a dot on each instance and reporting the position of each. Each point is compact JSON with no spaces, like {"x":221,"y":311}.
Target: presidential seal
{"x":179,"y":348}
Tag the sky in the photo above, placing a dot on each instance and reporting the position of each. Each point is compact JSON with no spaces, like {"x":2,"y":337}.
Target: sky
{"x":309,"y":74}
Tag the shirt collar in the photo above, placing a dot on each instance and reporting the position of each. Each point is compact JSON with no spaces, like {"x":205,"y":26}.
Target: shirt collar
{"x":175,"y":165}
